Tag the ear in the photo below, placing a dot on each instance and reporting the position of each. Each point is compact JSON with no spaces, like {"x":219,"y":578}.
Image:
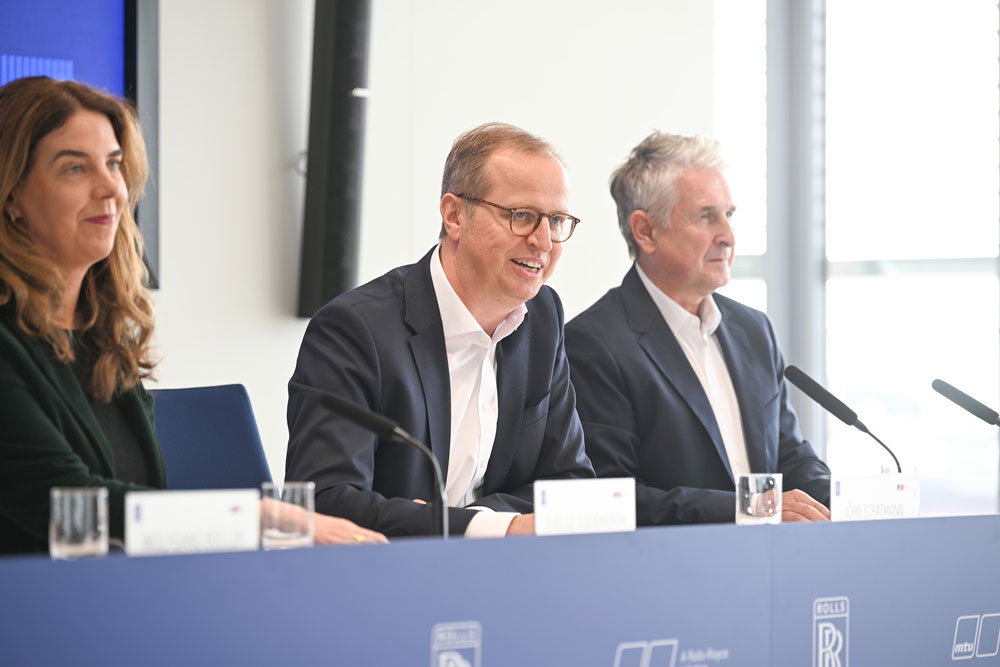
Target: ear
{"x":643,"y":231}
{"x":11,"y":209}
{"x":452,"y":209}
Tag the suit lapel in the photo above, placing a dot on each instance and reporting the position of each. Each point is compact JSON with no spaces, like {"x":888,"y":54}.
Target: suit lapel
{"x":64,"y":383}
{"x":422,"y":315}
{"x":512,"y":373}
{"x":659,"y":343}
{"x":749,"y":390}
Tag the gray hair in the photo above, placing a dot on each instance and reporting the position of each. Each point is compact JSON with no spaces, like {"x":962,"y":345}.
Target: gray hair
{"x":645,"y":181}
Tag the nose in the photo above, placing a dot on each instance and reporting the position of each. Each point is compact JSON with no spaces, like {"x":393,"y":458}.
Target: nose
{"x":108,"y":184}
{"x":726,"y":235}
{"x":542,"y":236}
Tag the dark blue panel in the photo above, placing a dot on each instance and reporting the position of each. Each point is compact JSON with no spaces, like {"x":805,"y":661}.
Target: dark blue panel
{"x":91,"y":35}
{"x":903,"y":592}
{"x":536,"y":601}
{"x":908,"y":592}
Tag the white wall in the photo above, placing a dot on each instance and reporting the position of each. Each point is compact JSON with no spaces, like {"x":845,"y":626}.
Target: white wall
{"x":591,"y":80}
{"x":234,"y":92}
{"x":234,"y":87}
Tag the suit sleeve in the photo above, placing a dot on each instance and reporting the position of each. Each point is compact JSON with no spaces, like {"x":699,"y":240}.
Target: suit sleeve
{"x":339,"y":356}
{"x":37,"y":453}
{"x":607,"y":410}
{"x":798,"y":462}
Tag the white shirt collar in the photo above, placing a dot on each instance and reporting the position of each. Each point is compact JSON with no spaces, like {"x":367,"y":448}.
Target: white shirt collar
{"x":456,"y":319}
{"x":708,"y":319}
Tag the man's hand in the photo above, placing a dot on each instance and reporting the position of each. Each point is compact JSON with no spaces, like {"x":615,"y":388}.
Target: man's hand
{"x":523,"y":524}
{"x":333,"y":530}
{"x":326,"y":529}
{"x":797,"y":505}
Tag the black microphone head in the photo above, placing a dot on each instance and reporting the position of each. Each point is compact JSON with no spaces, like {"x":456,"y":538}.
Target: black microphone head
{"x":828,"y":401}
{"x":964,"y":400}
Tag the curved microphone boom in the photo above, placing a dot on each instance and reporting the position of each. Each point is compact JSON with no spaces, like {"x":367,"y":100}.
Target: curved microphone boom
{"x":390,"y":430}
{"x":962,"y":399}
{"x":832,"y":404}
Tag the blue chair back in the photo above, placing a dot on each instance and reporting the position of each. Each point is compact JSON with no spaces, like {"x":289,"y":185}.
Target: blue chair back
{"x":209,"y":438}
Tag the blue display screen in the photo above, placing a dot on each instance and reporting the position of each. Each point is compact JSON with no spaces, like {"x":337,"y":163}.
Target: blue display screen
{"x":84,"y":41}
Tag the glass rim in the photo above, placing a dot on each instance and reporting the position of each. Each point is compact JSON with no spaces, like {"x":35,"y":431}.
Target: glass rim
{"x":99,"y":490}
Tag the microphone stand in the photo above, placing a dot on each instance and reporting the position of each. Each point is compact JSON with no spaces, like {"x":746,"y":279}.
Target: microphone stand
{"x":390,"y":430}
{"x":832,"y":404}
{"x":864,"y":429}
{"x":439,"y":502}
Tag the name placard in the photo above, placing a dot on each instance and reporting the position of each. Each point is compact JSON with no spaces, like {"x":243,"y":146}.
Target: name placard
{"x":176,"y":522}
{"x":566,"y":506}
{"x":865,"y":497}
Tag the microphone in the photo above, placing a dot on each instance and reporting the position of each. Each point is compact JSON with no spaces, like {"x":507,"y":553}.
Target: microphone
{"x":390,"y":430}
{"x":832,"y":404}
{"x":962,"y":399}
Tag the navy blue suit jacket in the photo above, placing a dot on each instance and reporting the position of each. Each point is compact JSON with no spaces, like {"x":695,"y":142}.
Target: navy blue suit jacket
{"x":646,"y":415}
{"x":382,"y":347}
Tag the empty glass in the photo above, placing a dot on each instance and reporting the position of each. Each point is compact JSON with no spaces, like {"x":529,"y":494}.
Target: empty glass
{"x":78,"y":522}
{"x":286,"y":515}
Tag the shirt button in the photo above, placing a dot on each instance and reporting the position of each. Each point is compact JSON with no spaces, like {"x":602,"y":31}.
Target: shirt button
{"x":482,"y":465}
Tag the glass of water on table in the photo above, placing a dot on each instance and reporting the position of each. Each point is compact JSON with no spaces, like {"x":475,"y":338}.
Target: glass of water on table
{"x":286,"y":515}
{"x":758,"y":499}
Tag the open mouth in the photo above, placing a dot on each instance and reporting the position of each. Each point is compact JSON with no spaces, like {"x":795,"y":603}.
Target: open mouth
{"x":533,"y":267}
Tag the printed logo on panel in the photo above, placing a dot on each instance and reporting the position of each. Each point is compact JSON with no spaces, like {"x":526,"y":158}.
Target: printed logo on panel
{"x":976,"y":636}
{"x":456,"y":644}
{"x":830,"y":631}
{"x":656,"y":653}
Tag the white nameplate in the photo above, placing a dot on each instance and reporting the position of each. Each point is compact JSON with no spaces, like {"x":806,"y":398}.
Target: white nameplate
{"x":864,"y":497}
{"x":566,"y":506}
{"x":175,"y":522}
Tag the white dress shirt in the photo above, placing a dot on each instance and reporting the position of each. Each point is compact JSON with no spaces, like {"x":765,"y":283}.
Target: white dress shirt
{"x":472,"y":372}
{"x":696,"y":336}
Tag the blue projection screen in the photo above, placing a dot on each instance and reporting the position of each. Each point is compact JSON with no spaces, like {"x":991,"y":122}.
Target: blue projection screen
{"x":65,"y":40}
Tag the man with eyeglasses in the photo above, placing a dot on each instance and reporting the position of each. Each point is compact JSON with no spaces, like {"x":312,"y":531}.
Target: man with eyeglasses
{"x":463,"y":349}
{"x":677,"y":386}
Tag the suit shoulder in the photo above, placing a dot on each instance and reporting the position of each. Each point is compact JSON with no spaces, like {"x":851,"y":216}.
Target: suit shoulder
{"x":384,"y":292}
{"x":735,"y":309}
{"x":546,"y":304}
{"x":607,"y":312}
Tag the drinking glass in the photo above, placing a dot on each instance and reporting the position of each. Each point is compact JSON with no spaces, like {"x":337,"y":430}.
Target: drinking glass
{"x":286,"y":515}
{"x":758,"y":499}
{"x":78,"y":522}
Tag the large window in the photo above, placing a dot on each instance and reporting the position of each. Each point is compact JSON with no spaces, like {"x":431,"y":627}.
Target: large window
{"x":880,"y":240}
{"x":912,"y":235}
{"x":740,"y":125}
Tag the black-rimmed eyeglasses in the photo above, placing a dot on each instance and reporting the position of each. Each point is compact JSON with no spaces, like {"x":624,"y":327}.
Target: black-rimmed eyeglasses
{"x":524,"y":221}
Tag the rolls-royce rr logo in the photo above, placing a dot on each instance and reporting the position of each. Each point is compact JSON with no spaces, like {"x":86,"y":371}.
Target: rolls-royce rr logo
{"x":830,"y":632}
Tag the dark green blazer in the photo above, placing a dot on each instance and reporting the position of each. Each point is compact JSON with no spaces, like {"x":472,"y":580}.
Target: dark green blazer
{"x":50,"y":437}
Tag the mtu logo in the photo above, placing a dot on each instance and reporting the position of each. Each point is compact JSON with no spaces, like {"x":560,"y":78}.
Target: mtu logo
{"x":830,"y":631}
{"x":976,"y":637}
